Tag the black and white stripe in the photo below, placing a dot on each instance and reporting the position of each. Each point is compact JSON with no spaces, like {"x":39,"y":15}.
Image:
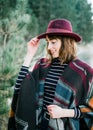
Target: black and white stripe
{"x":53,"y":75}
{"x":22,"y":73}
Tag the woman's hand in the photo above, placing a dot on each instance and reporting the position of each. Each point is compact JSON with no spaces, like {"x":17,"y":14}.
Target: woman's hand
{"x":32,"y":47}
{"x":58,"y":112}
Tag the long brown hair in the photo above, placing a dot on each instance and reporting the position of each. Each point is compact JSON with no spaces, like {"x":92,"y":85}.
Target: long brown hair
{"x":68,"y":48}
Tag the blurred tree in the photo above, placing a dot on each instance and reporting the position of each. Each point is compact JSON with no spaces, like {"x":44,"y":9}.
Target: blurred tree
{"x":6,"y":7}
{"x":41,"y":11}
{"x":15,"y":23}
{"x":77,"y":11}
{"x":84,"y":20}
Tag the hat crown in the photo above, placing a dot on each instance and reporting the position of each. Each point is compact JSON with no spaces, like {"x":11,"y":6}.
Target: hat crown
{"x":60,"y":24}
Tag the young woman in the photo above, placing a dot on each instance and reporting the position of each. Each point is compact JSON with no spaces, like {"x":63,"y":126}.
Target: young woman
{"x":60,"y":94}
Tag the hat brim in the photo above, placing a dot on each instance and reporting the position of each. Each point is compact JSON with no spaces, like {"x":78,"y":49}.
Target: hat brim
{"x":67,"y":34}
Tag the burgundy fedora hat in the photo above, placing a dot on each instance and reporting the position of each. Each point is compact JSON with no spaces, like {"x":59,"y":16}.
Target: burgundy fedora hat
{"x":60,"y":27}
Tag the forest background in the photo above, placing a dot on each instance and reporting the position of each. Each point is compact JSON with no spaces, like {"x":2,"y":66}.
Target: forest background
{"x":20,"y":20}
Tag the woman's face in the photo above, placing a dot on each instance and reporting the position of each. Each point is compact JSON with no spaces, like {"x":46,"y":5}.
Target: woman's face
{"x":53,"y":47}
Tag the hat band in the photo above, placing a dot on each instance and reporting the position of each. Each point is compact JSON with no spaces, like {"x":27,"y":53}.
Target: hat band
{"x":56,"y":30}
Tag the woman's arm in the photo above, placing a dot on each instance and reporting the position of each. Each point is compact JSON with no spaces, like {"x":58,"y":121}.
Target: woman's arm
{"x":32,"y":46}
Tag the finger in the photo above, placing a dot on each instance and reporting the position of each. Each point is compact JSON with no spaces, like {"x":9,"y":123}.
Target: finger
{"x":35,"y":39}
{"x":51,"y":106}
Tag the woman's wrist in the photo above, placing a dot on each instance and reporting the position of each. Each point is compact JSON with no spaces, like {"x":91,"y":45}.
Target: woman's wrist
{"x":73,"y":113}
{"x":70,"y":112}
{"x":67,"y":113}
{"x":27,"y":60}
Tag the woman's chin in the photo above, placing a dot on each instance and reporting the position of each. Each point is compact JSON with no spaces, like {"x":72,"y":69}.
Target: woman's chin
{"x":55,"y":57}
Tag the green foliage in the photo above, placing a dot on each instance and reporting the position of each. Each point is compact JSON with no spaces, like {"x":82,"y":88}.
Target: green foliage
{"x":6,"y":7}
{"x":16,"y":21}
{"x":15,"y":26}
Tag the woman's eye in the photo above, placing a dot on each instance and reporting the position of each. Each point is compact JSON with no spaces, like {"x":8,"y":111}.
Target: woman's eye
{"x":53,"y":42}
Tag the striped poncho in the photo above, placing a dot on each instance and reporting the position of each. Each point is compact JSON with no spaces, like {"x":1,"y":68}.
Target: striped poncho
{"x":74,"y":89}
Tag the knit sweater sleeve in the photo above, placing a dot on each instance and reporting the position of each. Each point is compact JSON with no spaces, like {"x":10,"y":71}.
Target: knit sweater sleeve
{"x":22,"y":73}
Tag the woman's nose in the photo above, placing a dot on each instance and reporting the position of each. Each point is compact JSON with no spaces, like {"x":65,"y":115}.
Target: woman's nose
{"x":49,"y":46}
